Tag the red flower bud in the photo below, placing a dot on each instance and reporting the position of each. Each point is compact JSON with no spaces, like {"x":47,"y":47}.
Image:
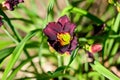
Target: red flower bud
{"x":95,"y":48}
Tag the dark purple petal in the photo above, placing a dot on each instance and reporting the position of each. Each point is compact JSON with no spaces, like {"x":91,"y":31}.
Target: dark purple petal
{"x":69,"y":27}
{"x":50,"y":33}
{"x":63,"y":49}
{"x":51,"y":30}
{"x":70,"y":47}
{"x":53,"y":43}
{"x":57,"y":47}
{"x":90,"y":55}
{"x":73,"y":44}
{"x":63,"y":20}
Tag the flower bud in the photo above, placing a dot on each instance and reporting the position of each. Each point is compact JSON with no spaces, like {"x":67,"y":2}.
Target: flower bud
{"x":95,"y":48}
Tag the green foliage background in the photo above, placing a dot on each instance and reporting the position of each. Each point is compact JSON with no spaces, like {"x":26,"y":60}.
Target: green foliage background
{"x":24,"y":51}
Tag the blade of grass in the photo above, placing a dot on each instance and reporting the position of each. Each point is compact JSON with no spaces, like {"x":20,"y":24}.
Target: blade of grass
{"x":87,"y":14}
{"x":109,"y":43}
{"x":50,"y":12}
{"x":16,"y":53}
{"x":116,"y":24}
{"x":73,"y":55}
{"x":11,"y":26}
{"x":112,"y":48}
{"x":50,"y":6}
{"x":5,"y":52}
{"x":94,"y":74}
{"x":102,"y":70}
{"x":82,"y":12}
{"x":12,"y":75}
{"x":26,"y":52}
{"x":115,"y":29}
{"x":5,"y":43}
{"x":10,"y":35}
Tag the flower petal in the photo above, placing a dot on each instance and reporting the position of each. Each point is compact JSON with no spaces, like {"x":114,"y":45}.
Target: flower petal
{"x":68,"y":48}
{"x":63,"y":20}
{"x":57,"y":47}
{"x":9,"y":4}
{"x":63,"y":49}
{"x":69,"y":27}
{"x":20,"y":1}
{"x":51,"y":30}
{"x":95,"y":48}
{"x":73,"y":44}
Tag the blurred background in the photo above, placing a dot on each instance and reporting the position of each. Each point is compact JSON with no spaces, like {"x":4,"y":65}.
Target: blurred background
{"x":40,"y":60}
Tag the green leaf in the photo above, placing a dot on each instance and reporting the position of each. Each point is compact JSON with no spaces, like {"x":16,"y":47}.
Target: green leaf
{"x":16,"y":53}
{"x":10,"y":24}
{"x":5,"y":43}
{"x":92,"y":75}
{"x":58,"y":72}
{"x":50,"y":6}
{"x":5,"y":52}
{"x":61,"y":68}
{"x":43,"y":76}
{"x":105,"y":72}
{"x":32,"y":44}
{"x":116,"y":29}
{"x":14,"y":72}
{"x":73,"y":55}
{"x":87,"y":14}
{"x":82,"y":12}
{"x":116,"y":24}
{"x":111,"y":47}
{"x":50,"y":12}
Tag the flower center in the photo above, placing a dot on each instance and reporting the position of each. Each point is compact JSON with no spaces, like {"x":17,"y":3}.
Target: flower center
{"x":64,"y":38}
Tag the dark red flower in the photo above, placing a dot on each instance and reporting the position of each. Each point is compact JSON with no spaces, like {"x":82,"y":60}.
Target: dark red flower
{"x":9,"y":4}
{"x":1,"y":22}
{"x":61,"y":35}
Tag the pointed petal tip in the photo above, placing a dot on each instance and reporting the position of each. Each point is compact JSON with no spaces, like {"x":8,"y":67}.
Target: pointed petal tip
{"x":63,"y":20}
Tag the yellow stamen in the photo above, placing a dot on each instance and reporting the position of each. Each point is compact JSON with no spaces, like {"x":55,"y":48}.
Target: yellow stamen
{"x":64,"y":38}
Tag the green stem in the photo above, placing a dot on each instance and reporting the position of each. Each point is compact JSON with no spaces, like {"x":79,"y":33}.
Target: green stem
{"x":27,"y":54}
{"x":40,"y":53}
{"x":10,"y":35}
{"x":59,"y":60}
{"x":16,"y":34}
{"x":59,"y":64}
{"x":11,"y":26}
